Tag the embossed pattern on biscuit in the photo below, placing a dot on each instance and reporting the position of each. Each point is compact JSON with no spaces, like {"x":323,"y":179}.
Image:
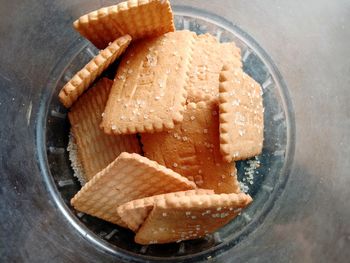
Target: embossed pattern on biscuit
{"x":178,"y":218}
{"x":149,"y":91}
{"x":135,"y":212}
{"x":241,"y":115}
{"x":95,"y":149}
{"x":138,"y":18}
{"x":192,"y":149}
{"x":208,"y":58}
{"x":129,"y":177}
{"x":91,"y":71}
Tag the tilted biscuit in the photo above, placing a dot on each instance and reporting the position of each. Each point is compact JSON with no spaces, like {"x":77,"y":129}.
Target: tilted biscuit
{"x":149,"y":91}
{"x":241,"y":115}
{"x":129,"y":177}
{"x":137,"y":18}
{"x":192,"y":149}
{"x":91,"y":71}
{"x":189,"y":217}
{"x":134,"y":213}
{"x":208,"y":58}
{"x":95,"y":149}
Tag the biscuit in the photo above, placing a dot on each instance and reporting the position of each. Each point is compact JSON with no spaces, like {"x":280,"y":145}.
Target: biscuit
{"x":208,"y":58}
{"x":134,"y":213}
{"x":180,"y":218}
{"x":241,"y":115}
{"x":129,"y":177}
{"x":192,"y":149}
{"x":149,"y":91}
{"x":95,"y":149}
{"x":139,"y":19}
{"x":91,"y":71}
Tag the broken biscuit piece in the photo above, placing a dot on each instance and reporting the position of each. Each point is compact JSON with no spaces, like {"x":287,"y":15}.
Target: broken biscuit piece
{"x":178,"y":218}
{"x":139,"y":19}
{"x":95,"y":149}
{"x":129,"y":177}
{"x":241,"y":115}
{"x":149,"y":91}
{"x":192,"y":149}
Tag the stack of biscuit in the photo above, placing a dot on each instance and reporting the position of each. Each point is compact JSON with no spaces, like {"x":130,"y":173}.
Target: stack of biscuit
{"x":155,"y":148}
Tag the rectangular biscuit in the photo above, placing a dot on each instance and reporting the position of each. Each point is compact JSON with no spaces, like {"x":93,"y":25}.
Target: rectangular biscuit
{"x":137,"y":18}
{"x":241,"y":115}
{"x":178,"y":218}
{"x":91,"y":71}
{"x":129,"y":177}
{"x":149,"y":92}
{"x":95,"y":149}
{"x":134,"y":213}
{"x":192,"y":149}
{"x":208,"y":58}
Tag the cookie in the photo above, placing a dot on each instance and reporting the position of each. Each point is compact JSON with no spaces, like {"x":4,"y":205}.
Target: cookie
{"x":241,"y":115}
{"x":178,"y":218}
{"x":208,"y":58}
{"x":95,"y":149}
{"x":135,"y":212}
{"x":149,"y":91}
{"x":129,"y":177}
{"x":192,"y":149}
{"x":139,"y":19}
{"x":91,"y":71}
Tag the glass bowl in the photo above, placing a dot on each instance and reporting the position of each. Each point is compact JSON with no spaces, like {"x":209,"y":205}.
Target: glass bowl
{"x":263,"y":177}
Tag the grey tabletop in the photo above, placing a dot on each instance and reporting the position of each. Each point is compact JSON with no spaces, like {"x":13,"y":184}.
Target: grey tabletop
{"x":308,"y":41}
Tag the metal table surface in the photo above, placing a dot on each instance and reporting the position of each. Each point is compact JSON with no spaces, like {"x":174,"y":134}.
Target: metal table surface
{"x":308,"y":41}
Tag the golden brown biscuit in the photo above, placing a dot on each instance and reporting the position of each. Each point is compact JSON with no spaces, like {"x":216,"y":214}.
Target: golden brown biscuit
{"x":192,"y":149}
{"x":241,"y":115}
{"x":149,"y":92}
{"x":139,"y":19}
{"x":134,"y":213}
{"x":91,"y":71}
{"x":178,"y":218}
{"x":129,"y":177}
{"x":95,"y":149}
{"x":208,"y":58}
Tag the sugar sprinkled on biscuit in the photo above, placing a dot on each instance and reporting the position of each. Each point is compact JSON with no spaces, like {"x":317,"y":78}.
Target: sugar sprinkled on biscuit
{"x":197,"y":156}
{"x":241,"y":115}
{"x":189,"y":217}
